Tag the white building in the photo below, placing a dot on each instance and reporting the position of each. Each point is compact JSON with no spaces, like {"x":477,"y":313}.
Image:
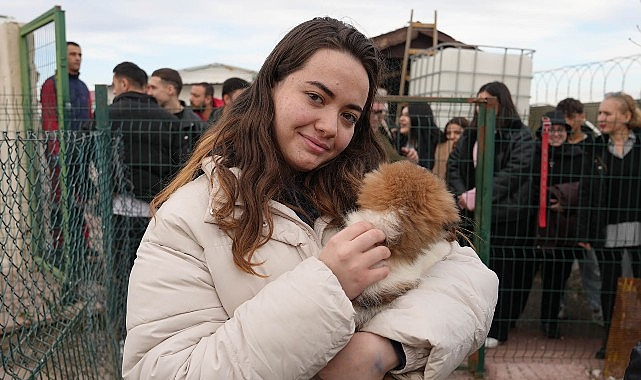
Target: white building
{"x":214,"y":73}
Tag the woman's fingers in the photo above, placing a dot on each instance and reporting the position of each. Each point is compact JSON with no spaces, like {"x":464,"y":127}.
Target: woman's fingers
{"x":356,"y":255}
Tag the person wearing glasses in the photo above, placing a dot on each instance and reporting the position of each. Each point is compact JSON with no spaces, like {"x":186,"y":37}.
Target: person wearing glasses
{"x":378,"y":122}
{"x":561,"y":233}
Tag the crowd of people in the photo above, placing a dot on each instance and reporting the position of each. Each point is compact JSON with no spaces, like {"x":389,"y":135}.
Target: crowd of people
{"x":227,"y":217}
{"x":578,"y":202}
{"x":154,"y":133}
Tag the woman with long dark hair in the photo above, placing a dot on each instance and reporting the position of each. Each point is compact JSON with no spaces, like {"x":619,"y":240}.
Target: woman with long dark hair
{"x":245,"y":273}
{"x":513,"y":200}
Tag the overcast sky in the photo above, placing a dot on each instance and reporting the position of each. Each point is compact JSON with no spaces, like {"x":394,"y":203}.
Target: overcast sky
{"x":180,"y":34}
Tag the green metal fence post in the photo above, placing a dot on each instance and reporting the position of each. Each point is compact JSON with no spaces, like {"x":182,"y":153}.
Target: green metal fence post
{"x":483,"y":206}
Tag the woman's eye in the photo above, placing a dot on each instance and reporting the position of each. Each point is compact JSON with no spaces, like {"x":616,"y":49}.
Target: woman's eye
{"x":315,"y":97}
{"x":350,"y":117}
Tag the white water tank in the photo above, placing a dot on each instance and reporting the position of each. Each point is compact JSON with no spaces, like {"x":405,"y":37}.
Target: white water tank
{"x":458,"y":71}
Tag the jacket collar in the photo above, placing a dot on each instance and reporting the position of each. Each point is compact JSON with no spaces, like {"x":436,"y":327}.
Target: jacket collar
{"x":208,"y":164}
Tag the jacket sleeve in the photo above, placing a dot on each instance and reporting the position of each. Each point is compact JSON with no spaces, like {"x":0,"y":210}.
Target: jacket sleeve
{"x":447,"y":318}
{"x":456,"y":166}
{"x":517,"y":167}
{"x":177,"y":327}
{"x":50,"y":113}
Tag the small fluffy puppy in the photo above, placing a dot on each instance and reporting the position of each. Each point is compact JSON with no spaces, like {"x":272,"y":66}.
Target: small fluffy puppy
{"x":417,"y":212}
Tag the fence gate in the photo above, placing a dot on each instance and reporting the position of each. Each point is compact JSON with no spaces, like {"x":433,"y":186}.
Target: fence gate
{"x":55,"y":210}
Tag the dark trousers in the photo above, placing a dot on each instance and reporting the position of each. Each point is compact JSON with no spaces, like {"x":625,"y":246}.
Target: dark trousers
{"x":513,"y":259}
{"x":128,"y":232}
{"x":556,"y":267}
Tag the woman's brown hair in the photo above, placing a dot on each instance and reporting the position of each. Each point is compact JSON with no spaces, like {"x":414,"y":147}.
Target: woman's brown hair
{"x":243,"y":138}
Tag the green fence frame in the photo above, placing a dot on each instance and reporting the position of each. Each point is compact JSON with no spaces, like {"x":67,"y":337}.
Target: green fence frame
{"x":485,"y":169}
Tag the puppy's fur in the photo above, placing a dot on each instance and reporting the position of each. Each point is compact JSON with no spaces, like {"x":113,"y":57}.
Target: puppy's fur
{"x":417,"y":212}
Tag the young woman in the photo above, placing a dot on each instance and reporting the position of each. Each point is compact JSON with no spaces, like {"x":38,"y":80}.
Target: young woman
{"x":619,"y":147}
{"x":513,"y":202}
{"x":418,"y":130}
{"x":453,"y":131}
{"x":244,"y":272}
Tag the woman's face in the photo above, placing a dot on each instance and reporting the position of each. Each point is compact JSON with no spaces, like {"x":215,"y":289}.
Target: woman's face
{"x":453,"y":132}
{"x":404,"y":122}
{"x":558,"y":135}
{"x":611,"y":120}
{"x":316,"y":108}
{"x":485,"y":95}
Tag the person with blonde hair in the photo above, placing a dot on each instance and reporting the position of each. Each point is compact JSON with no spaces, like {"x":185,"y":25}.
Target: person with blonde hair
{"x":244,"y":271}
{"x":619,"y":151}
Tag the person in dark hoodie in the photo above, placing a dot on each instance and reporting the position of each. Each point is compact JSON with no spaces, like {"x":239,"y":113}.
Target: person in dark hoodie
{"x":513,"y":199}
{"x":147,"y":157}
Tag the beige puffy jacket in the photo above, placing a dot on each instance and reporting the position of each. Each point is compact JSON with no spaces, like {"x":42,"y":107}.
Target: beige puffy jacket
{"x":191,"y":314}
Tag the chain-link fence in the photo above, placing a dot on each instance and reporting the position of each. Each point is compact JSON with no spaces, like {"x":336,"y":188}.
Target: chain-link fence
{"x":65,"y":266}
{"x":53,"y":261}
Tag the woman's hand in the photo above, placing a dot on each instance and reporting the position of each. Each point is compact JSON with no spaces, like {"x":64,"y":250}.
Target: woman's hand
{"x":366,"y":356}
{"x":584,"y":245}
{"x":410,"y":153}
{"x":555,"y":205}
{"x":356,"y":255}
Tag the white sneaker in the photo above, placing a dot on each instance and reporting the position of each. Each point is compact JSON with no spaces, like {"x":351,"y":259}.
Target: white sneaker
{"x":121,"y":349}
{"x":597,"y":317}
{"x":561,"y":314}
{"x":491,"y":342}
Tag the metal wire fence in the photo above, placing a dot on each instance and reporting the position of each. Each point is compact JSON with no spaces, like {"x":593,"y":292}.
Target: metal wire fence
{"x":65,"y":268}
{"x":556,"y":298}
{"x":54,"y":266}
{"x":587,"y":82}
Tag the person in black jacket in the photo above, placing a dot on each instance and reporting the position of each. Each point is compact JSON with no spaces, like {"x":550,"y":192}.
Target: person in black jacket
{"x":619,"y":149}
{"x":513,"y":196}
{"x":148,"y":151}
{"x":165,"y":85}
{"x":583,"y":135}
{"x":564,"y":214}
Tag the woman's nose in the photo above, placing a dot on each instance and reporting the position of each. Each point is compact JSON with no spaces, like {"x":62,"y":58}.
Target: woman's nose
{"x":328,"y":125}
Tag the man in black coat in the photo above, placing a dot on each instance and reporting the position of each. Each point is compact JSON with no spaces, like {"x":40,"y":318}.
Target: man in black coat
{"x":147,"y":142}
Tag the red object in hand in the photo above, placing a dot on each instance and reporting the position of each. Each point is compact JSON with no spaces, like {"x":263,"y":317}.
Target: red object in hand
{"x":543,"y":185}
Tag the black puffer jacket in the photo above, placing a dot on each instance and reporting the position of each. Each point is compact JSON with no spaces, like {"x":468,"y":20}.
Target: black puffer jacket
{"x":149,"y":144}
{"x":513,"y":190}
